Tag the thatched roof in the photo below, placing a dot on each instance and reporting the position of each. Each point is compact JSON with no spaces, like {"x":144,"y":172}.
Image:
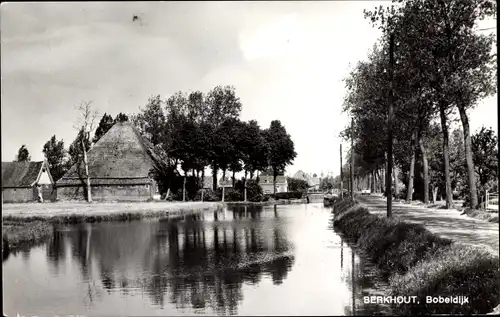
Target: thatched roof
{"x":22,"y":174}
{"x":121,"y":156}
{"x":311,"y":181}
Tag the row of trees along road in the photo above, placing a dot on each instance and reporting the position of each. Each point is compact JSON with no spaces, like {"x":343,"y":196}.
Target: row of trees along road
{"x":189,"y":131}
{"x":442,"y":65}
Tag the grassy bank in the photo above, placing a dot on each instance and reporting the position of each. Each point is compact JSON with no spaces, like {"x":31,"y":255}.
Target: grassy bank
{"x":83,"y":212}
{"x":487,"y":215}
{"x":20,"y":235}
{"x":418,"y":262}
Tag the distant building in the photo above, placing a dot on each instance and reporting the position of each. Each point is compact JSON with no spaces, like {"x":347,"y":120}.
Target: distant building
{"x":208,"y":182}
{"x":312,"y":182}
{"x":20,"y":180}
{"x":301,"y":175}
{"x":119,"y":167}
{"x":266,"y":182}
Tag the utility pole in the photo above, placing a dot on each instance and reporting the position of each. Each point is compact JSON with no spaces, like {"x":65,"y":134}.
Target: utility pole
{"x":389,"y":129}
{"x":352,"y":159}
{"x":341,"y":175}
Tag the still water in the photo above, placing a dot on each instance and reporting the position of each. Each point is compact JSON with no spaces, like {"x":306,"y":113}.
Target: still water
{"x":276,"y":260}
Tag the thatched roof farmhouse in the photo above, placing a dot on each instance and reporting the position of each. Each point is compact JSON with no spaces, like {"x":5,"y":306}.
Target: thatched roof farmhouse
{"x":119,"y":168}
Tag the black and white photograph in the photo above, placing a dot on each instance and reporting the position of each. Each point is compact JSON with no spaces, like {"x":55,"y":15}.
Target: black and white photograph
{"x":250,"y":158}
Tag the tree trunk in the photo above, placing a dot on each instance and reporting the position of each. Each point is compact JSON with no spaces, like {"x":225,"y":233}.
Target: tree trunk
{"x":275,"y":174}
{"x":234,"y":178}
{"x":224,"y":175}
{"x":251,"y":174}
{"x":468,"y":156}
{"x":425,"y":164}
{"x":197,"y":176}
{"x":380,"y":180}
{"x":245,"y":187}
{"x":184,"y":188}
{"x":446,"y":156}
{"x":203,"y":178}
{"x":395,"y":173}
{"x":89,"y":191}
{"x":383,"y":179}
{"x":434,"y":194}
{"x":372,"y":189}
{"x":409,"y":193}
{"x":214,"y":175}
{"x":170,"y":173}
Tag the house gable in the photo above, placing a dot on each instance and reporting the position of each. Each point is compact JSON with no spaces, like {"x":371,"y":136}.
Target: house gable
{"x":44,"y":177}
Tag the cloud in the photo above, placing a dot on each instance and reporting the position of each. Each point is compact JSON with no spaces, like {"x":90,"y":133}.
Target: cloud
{"x":285,"y":59}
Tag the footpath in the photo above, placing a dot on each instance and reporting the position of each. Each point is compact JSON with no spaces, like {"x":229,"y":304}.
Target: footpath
{"x":447,"y":223}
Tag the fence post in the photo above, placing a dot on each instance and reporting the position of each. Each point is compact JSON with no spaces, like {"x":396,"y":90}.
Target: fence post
{"x":487,"y":202}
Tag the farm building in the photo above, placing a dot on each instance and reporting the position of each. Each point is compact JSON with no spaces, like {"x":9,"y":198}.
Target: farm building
{"x":119,"y":168}
{"x":20,"y":182}
{"x":266,"y":182}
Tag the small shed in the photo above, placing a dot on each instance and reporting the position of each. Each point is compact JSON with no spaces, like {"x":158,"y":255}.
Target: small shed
{"x":20,"y":180}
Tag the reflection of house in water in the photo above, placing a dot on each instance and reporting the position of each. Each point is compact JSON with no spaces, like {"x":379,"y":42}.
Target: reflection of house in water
{"x":201,"y":265}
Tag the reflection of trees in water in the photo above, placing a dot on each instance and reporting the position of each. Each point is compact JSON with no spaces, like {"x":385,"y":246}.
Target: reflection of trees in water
{"x":214,"y":271}
{"x":55,"y":251}
{"x":199,"y":264}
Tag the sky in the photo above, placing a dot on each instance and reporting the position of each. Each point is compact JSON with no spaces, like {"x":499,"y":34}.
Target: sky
{"x":286,"y":61}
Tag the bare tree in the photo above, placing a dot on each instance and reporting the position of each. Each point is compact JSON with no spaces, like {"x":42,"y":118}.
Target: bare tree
{"x":85,"y":125}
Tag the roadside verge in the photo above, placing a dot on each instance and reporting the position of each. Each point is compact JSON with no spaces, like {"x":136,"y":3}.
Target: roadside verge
{"x":417,"y":262}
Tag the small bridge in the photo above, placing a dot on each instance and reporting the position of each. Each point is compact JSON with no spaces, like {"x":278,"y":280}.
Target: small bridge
{"x":315,"y":197}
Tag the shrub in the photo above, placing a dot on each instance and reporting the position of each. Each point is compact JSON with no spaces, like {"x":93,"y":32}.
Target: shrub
{"x":254,"y":191}
{"x":233,"y":196}
{"x":288,"y":195}
{"x":208,"y":195}
{"x":177,"y":195}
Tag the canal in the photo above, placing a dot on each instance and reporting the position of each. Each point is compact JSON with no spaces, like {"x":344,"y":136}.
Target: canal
{"x":273,"y":260}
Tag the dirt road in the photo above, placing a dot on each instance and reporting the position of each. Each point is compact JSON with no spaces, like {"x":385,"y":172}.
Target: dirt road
{"x":446,"y":223}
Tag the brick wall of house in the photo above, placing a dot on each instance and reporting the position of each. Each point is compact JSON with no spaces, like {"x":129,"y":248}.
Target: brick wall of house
{"x":17,"y":195}
{"x":107,"y":193}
